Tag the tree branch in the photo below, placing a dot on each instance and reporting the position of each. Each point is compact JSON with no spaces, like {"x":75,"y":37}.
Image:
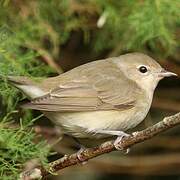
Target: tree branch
{"x":89,"y":153}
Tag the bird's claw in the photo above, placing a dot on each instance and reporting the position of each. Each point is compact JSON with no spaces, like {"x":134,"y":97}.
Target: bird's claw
{"x":80,"y":157}
{"x":118,"y":142}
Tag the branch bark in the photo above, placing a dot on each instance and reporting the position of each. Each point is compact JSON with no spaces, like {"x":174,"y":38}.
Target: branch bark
{"x":89,"y":153}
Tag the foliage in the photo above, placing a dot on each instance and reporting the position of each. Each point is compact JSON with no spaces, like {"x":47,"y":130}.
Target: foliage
{"x":140,"y":25}
{"x":17,"y":147}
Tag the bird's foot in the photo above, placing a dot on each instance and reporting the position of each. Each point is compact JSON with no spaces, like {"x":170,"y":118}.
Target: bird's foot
{"x":117,"y":142}
{"x":80,"y":156}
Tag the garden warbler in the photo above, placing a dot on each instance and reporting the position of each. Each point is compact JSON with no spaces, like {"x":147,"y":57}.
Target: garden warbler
{"x":99,"y":99}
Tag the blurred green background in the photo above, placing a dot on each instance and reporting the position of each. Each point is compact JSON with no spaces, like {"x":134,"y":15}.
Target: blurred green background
{"x":43,"y":38}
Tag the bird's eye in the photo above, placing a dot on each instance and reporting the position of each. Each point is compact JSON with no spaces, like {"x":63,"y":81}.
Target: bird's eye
{"x":143,"y":69}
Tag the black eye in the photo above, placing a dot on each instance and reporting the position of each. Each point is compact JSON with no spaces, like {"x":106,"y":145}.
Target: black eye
{"x":143,"y":69}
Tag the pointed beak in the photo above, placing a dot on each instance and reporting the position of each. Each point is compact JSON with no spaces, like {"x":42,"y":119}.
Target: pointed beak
{"x":165,"y":73}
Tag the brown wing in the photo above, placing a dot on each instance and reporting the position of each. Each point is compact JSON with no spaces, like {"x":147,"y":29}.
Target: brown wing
{"x":91,"y":89}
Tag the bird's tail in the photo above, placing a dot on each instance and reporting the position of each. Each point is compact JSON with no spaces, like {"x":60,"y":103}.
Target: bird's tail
{"x":26,"y":85}
{"x":19,"y":80}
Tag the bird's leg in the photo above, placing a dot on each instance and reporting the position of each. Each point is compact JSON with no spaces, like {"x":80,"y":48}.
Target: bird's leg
{"x":120,"y":135}
{"x":117,"y":143}
{"x":81,"y":149}
{"x":80,"y":157}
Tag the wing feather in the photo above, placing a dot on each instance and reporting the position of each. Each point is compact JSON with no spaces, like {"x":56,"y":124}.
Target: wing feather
{"x":93,"y":89}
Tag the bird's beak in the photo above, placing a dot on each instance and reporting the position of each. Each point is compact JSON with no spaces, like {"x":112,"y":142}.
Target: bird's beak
{"x":165,"y":73}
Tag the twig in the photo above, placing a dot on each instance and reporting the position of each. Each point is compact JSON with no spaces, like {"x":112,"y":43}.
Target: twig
{"x":89,"y":153}
{"x":46,"y":57}
{"x":49,"y":60}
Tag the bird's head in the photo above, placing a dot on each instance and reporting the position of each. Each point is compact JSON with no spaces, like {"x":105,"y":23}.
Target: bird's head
{"x":142,"y":69}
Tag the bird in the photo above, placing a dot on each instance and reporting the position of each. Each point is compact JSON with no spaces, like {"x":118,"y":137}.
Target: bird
{"x":99,"y":99}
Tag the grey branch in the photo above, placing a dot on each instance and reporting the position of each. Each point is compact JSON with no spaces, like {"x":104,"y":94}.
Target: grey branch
{"x":89,"y":153}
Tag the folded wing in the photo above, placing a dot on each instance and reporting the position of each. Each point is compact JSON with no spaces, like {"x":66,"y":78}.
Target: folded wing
{"x":107,"y":89}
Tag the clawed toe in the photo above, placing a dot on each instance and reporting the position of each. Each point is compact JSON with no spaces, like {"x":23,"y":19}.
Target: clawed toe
{"x":127,"y":150}
{"x":117,"y":143}
{"x":80,"y":156}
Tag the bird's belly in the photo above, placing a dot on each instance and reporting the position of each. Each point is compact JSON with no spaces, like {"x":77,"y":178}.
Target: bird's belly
{"x":84,"y":124}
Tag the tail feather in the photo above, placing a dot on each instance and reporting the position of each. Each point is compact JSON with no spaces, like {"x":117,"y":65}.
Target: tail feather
{"x":26,"y":85}
{"x":20,"y":80}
